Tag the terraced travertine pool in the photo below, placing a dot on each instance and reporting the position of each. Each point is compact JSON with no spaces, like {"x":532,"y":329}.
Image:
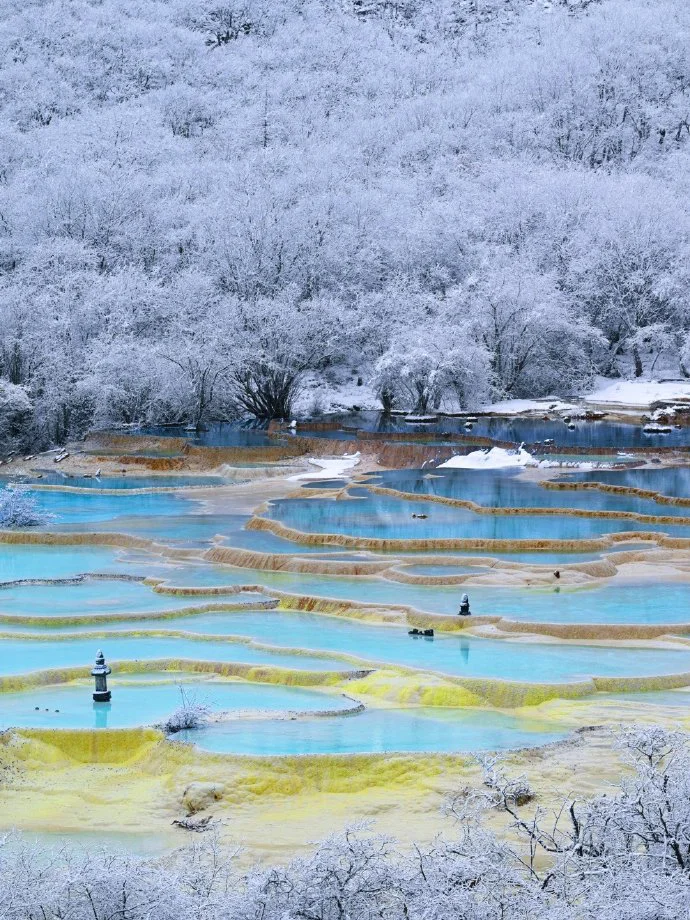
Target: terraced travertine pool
{"x":277,"y":641}
{"x":125,"y":483}
{"x":381,"y":730}
{"x":458,"y":655}
{"x":147,"y":703}
{"x":601,"y":602}
{"x":672,"y":482}
{"x":634,"y":602}
{"x":511,"y":489}
{"x":382,"y":517}
{"x":96,"y":597}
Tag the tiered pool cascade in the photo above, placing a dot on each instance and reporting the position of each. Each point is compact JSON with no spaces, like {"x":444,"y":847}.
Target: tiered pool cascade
{"x":288,"y":609}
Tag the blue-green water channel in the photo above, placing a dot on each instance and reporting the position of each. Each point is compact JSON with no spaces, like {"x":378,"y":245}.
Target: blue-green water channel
{"x":531,"y":430}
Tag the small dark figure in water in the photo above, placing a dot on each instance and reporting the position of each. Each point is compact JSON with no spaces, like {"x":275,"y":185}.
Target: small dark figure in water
{"x":427,"y":633}
{"x":557,"y":574}
{"x":422,"y":517}
{"x":464,"y":606}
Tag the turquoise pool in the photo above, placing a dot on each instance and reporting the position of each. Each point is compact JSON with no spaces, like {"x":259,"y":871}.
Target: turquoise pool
{"x":386,"y":518}
{"x":102,"y":596}
{"x":376,"y":731}
{"x":511,"y":489}
{"x":19,"y":656}
{"x":89,"y":508}
{"x":640,"y":601}
{"x":537,"y":662}
{"x":67,"y":706}
{"x":124,"y":483}
{"x":672,"y":481}
{"x":36,"y":561}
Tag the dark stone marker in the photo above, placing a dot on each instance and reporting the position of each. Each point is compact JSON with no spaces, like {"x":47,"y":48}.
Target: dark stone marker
{"x":100,"y":671}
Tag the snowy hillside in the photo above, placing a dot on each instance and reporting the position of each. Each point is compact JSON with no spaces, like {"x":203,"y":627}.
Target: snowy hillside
{"x":204,"y":206}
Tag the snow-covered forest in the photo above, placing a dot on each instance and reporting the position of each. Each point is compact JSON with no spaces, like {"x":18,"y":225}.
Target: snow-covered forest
{"x":448,"y":200}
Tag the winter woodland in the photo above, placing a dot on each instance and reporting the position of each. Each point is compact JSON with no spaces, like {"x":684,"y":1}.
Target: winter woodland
{"x":447,"y":200}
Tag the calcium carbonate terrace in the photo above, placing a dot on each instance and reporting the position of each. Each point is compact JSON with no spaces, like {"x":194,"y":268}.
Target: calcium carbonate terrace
{"x":257,"y":643}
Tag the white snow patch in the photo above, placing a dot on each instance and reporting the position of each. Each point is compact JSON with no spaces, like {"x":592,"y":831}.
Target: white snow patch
{"x":572,"y":465}
{"x":498,"y":458}
{"x":329,"y":467}
{"x":640,"y":393}
{"x":520,"y":406}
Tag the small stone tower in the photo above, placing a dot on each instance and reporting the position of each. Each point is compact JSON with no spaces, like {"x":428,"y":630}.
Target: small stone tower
{"x":100,"y":671}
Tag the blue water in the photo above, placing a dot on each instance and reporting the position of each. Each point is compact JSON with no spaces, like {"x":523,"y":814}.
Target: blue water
{"x":220,"y":434}
{"x":544,"y":662}
{"x":617,"y":435}
{"x":98,"y":597}
{"x":183,"y":530}
{"x":510,"y":489}
{"x":119,"y":482}
{"x":562,"y":557}
{"x":445,"y":570}
{"x":146,"y":703}
{"x":36,"y":561}
{"x":87,"y":508}
{"x":385,"y":518}
{"x":640,"y":602}
{"x":376,"y":731}
{"x":672,"y":481}
{"x":18,"y":656}
{"x":28,"y":561}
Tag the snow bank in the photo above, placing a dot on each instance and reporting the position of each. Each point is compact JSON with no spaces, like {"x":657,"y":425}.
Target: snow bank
{"x":495,"y":459}
{"x":520,"y":406}
{"x":329,"y":467}
{"x":640,"y":393}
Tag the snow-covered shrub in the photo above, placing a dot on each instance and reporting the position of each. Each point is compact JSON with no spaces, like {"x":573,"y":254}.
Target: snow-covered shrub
{"x":190,"y":714}
{"x":514,"y":790}
{"x":19,"y":509}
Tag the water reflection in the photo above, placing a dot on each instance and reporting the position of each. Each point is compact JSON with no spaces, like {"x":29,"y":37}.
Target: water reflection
{"x":101,"y":712}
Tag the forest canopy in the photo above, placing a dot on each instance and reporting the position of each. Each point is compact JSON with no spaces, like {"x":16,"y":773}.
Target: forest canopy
{"x":452,"y":200}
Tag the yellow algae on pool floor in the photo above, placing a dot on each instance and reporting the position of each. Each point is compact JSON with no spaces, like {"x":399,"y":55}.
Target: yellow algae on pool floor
{"x":134,"y":781}
{"x":137,"y":780}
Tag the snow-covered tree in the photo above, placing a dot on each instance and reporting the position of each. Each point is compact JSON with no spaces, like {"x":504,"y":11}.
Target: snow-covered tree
{"x":19,"y":509}
{"x":200,"y":202}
